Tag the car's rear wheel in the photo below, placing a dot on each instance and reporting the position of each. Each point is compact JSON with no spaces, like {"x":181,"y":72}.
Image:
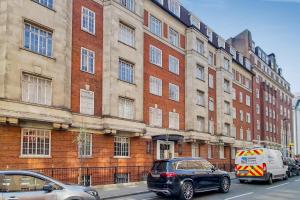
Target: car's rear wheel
{"x":225,"y":185}
{"x":187,"y":191}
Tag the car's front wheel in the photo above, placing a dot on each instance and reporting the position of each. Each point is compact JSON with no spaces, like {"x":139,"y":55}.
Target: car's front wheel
{"x":187,"y":191}
{"x":225,"y":185}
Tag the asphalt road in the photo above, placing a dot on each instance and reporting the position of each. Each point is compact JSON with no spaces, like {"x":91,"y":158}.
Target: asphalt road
{"x":281,"y":190}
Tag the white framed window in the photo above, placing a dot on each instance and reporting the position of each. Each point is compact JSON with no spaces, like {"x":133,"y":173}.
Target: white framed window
{"x":211,"y":105}
{"x":226,"y":86}
{"x":174,"y":7}
{"x":227,"y":107}
{"x":160,"y":1}
{"x":195,"y":21}
{"x":233,"y":113}
{"x":257,"y":109}
{"x":210,"y":34}
{"x":211,"y":127}
{"x":173,"y":120}
{"x":200,"y":46}
{"x":173,"y":92}
{"x":221,"y":151}
{"x":46,"y":3}
{"x":173,"y":37}
{"x":257,"y":93}
{"x":155,"y":86}
{"x":129,"y":4}
{"x":200,"y":72}
{"x":87,"y":60}
{"x":233,"y":133}
{"x":126,"y":34}
{"x":248,"y":100}
{"x":36,"y":89}
{"x":211,"y":81}
{"x":267,"y":111}
{"x":155,"y":56}
{"x":241,"y":115}
{"x":227,"y":129}
{"x":35,"y":142}
{"x":126,"y":71}
{"x":248,"y":118}
{"x":248,"y":135}
{"x":155,"y":26}
{"x":173,"y":64}
{"x":258,"y":124}
{"x":210,"y":58}
{"x":121,"y":146}
{"x":201,"y":123}
{"x":88,"y":20}
{"x":233,"y":93}
{"x":195,"y":150}
{"x":38,"y":40}
{"x":226,"y":64}
{"x":165,"y":149}
{"x":209,"y":151}
{"x":241,"y":134}
{"x":126,"y":108}
{"x":155,"y":117}
{"x":86,"y":102}
{"x":200,"y":98}
{"x":267,"y":126}
{"x":85,"y":145}
{"x":233,"y":152}
{"x":241,"y":97}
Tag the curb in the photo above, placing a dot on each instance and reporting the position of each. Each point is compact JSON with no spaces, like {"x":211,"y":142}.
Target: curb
{"x":125,"y":195}
{"x":120,"y":185}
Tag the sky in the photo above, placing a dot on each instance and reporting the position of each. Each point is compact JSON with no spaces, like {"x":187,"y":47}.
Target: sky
{"x":274,"y":24}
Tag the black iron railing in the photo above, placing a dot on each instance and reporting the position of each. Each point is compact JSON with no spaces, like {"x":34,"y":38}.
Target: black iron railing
{"x":97,"y":175}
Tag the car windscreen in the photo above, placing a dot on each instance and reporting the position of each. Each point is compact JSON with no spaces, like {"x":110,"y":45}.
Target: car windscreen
{"x":160,"y":166}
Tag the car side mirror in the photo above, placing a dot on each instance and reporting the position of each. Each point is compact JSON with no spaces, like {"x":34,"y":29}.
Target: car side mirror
{"x":48,"y":188}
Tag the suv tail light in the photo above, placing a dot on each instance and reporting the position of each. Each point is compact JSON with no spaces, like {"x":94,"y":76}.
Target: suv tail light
{"x":264,"y":167}
{"x":168,"y":174}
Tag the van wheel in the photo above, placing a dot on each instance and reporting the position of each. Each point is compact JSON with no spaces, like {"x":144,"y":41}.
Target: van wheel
{"x":187,"y":191}
{"x":285,"y":177}
{"x":270,"y":180}
{"x":225,"y":185}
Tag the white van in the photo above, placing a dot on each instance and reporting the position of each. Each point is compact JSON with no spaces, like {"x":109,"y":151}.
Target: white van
{"x":260,"y":164}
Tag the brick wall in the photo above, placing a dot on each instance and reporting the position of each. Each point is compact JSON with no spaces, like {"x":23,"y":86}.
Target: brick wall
{"x":163,"y":102}
{"x":92,"y":42}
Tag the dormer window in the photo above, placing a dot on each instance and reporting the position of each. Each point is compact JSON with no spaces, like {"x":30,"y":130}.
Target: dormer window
{"x":195,"y":21}
{"x":241,"y":58}
{"x":233,"y":52}
{"x":247,"y":64}
{"x":209,"y":34}
{"x":253,"y":46}
{"x":221,"y":42}
{"x":174,"y":7}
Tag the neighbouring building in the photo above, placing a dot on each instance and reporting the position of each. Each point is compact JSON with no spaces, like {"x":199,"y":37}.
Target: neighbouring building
{"x":112,"y":85}
{"x":296,"y":114}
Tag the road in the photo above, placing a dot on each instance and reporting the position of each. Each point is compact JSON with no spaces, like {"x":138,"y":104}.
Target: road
{"x":281,"y":190}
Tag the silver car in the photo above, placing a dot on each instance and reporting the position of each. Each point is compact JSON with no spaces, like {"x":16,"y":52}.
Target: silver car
{"x":27,"y":185}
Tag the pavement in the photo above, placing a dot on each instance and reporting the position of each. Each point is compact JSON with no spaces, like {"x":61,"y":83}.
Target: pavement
{"x":280,"y":190}
{"x":120,"y":191}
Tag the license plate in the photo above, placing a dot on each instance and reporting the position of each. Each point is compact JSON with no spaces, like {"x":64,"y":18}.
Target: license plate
{"x":243,"y":172}
{"x":155,"y":175}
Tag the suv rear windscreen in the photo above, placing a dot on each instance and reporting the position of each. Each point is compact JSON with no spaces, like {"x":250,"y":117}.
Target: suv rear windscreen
{"x":160,"y":166}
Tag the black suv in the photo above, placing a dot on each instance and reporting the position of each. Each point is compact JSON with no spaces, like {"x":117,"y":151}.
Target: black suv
{"x":182,"y":177}
{"x":293,"y":168}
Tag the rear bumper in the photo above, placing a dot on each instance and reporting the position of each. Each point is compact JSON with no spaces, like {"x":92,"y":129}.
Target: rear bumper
{"x":163,"y":191}
{"x":253,"y":178}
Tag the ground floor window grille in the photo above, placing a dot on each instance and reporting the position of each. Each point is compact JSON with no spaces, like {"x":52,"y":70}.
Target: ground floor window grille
{"x":86,"y":180}
{"x":122,"y":178}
